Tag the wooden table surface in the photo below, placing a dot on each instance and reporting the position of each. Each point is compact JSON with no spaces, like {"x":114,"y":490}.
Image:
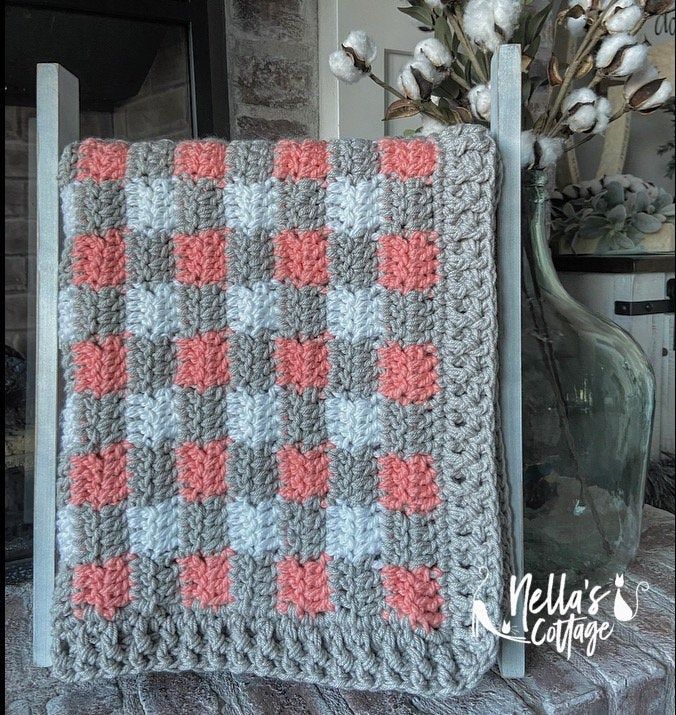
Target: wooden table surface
{"x":631,"y":673}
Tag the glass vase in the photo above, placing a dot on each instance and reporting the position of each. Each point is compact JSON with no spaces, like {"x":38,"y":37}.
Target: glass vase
{"x":588,"y":400}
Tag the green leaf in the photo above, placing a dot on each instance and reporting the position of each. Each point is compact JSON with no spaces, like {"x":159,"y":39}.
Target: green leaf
{"x":614,"y":193}
{"x":421,"y":14}
{"x":618,"y":214}
{"x":443,"y":32}
{"x":646,"y":223}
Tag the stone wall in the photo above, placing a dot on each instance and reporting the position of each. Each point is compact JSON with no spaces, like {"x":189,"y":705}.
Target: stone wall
{"x":272,"y":68}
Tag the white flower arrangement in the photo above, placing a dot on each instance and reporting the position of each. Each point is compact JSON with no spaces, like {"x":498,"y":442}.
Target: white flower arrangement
{"x":447,"y":80}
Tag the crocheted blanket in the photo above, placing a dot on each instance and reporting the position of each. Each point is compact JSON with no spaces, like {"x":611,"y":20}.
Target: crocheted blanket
{"x":278,"y":451}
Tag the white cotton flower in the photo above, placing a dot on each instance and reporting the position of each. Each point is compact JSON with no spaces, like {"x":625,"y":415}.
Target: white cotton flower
{"x":621,"y":55}
{"x":550,"y":150}
{"x":621,"y":15}
{"x":538,"y":152}
{"x":585,"y":111}
{"x":576,"y":22}
{"x":435,"y":52}
{"x":343,"y":67}
{"x":489,"y":23}
{"x":417,"y":78}
{"x":353,"y":61}
{"x":362,"y":45}
{"x":430,"y":125}
{"x":436,"y":5}
{"x":646,"y":90}
{"x":479,"y":98}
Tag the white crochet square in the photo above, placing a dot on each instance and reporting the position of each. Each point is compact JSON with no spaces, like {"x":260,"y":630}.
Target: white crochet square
{"x":150,"y":205}
{"x":254,"y":420}
{"x":251,"y":207}
{"x":353,"y":207}
{"x":150,"y":420}
{"x":154,"y":530}
{"x":152,"y":311}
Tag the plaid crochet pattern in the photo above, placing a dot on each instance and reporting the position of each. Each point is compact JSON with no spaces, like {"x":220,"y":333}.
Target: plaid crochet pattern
{"x":278,"y":438}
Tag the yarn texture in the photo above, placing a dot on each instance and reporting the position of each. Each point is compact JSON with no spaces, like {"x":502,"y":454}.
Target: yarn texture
{"x":278,"y":450}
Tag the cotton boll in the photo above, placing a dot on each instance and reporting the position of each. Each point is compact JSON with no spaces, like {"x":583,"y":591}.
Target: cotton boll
{"x":362,"y":45}
{"x":417,"y":78}
{"x":604,"y":110}
{"x":549,"y":149}
{"x":506,"y":14}
{"x":479,"y":98}
{"x":621,"y":15}
{"x":343,"y":67}
{"x":436,"y":5}
{"x":646,"y":91}
{"x":480,"y":26}
{"x":576,"y":16}
{"x":435,"y":52}
{"x":620,"y":55}
{"x":430,"y":125}
{"x":585,"y":111}
{"x":527,"y":148}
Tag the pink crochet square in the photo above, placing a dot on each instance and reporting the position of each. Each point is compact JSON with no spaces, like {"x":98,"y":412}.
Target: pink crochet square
{"x":106,"y":587}
{"x":100,"y":479}
{"x":408,"y":374}
{"x":300,"y":257}
{"x":303,"y":474}
{"x":409,"y":263}
{"x":303,"y":588}
{"x":202,"y":258}
{"x":414,"y":595}
{"x":302,"y":364}
{"x":202,"y":361}
{"x":408,"y":485}
{"x":101,"y":160}
{"x":201,"y":160}
{"x":407,"y":158}
{"x":202,"y":470}
{"x":100,"y":365}
{"x":307,"y":159}
{"x":205,"y":580}
{"x":99,"y":261}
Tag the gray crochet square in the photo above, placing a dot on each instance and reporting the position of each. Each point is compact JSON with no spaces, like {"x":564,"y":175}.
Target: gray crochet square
{"x":302,"y":205}
{"x":355,"y":159}
{"x":302,"y":311}
{"x":407,"y":429}
{"x":252,"y":473}
{"x":250,"y":257}
{"x":102,"y":534}
{"x":303,"y":418}
{"x":201,"y":309}
{"x":95,"y":208}
{"x":357,"y":588}
{"x":153,"y":477}
{"x":151,"y":364}
{"x":250,"y":161}
{"x":101,"y":420}
{"x":155,"y":583}
{"x":353,"y":261}
{"x":254,"y":583}
{"x":353,"y":367}
{"x":203,"y":526}
{"x":250,"y":361}
{"x":149,"y":259}
{"x":409,"y":541}
{"x":200,"y":417}
{"x":407,"y":206}
{"x":96,"y":312}
{"x":304,"y":529}
{"x":409,"y":317}
{"x":353,"y":478}
{"x":153,"y":160}
{"x":198,"y":205}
